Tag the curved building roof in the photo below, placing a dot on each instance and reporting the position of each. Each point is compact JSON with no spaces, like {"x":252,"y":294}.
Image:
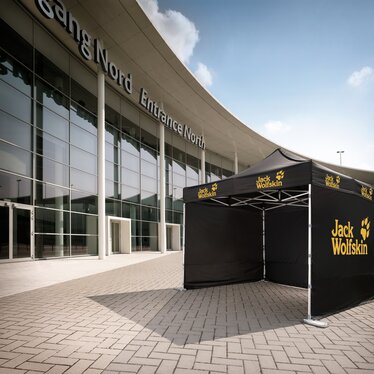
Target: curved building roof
{"x":135,"y":46}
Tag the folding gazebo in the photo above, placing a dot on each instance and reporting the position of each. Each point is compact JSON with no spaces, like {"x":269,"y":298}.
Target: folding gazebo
{"x":288,"y":220}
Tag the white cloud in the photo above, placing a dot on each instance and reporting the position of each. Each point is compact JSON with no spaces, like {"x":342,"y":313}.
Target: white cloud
{"x":179,"y":32}
{"x":276,"y":127}
{"x":203,"y":75}
{"x":360,"y":77}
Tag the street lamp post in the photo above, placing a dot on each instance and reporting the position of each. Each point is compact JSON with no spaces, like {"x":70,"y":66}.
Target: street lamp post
{"x":340,"y":156}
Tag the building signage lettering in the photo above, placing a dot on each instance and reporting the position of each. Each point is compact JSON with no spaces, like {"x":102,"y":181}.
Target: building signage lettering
{"x":55,"y":9}
{"x":344,"y":242}
{"x":183,"y":130}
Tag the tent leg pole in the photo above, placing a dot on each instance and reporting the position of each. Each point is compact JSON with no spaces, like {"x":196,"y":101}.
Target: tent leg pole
{"x":309,"y":320}
{"x":263,"y":243}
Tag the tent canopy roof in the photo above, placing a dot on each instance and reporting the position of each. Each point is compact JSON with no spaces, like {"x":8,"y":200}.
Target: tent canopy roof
{"x":281,"y":170}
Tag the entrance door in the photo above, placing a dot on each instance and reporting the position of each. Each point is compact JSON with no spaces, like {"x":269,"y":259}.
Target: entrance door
{"x":16,"y":230}
{"x":115,"y":237}
{"x":169,"y":232}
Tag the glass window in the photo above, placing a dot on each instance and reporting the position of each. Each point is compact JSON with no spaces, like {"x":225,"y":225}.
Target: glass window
{"x":15,"y":102}
{"x":49,"y":146}
{"x":83,"y":245}
{"x":113,"y":207}
{"x":149,"y":228}
{"x":226,"y":173}
{"x":149,"y":184}
{"x":148,"y":154}
{"x":51,"y":246}
{"x":83,"y":181}
{"x":111,"y":153}
{"x":130,"y":211}
{"x":179,"y":155}
{"x":82,"y":160}
{"x":111,"y":135}
{"x":148,"y":169}
{"x":83,"y":202}
{"x":150,"y":214}
{"x":149,"y":244}
{"x":83,"y":118}
{"x":136,"y":244}
{"x":179,"y":180}
{"x":112,"y":117}
{"x":83,"y":97}
{"x":52,"y":98}
{"x":111,"y":171}
{"x":149,"y":198}
{"x":130,"y":194}
{"x":169,"y":216}
{"x":130,"y":128}
{"x":15,"y":44}
{"x":51,"y":196}
{"x":179,"y":168}
{"x":111,"y":189}
{"x":15,"y":188}
{"x":83,"y":139}
{"x":15,"y":159}
{"x":83,"y":224}
{"x":135,"y":227}
{"x":130,"y":161}
{"x":130,"y":178}
{"x":51,"y":221}
{"x":178,"y":218}
{"x":130,"y":145}
{"x":50,"y":171}
{"x":52,"y":123}
{"x":15,"y":74}
{"x":51,"y":73}
{"x":15,"y":131}
{"x":149,"y":139}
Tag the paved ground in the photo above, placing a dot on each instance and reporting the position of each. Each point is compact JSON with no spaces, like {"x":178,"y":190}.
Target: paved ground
{"x":136,"y":320}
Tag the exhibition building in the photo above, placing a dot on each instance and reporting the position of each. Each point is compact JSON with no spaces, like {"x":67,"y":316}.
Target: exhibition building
{"x":101,"y":128}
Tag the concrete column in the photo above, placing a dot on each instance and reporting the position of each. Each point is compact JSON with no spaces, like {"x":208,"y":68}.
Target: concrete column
{"x":101,"y":161}
{"x":162,"y":231}
{"x":203,"y":166}
{"x":236,"y":163}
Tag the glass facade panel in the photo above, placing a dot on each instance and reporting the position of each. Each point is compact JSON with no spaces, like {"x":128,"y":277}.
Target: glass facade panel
{"x":15,"y":131}
{"x":83,"y":245}
{"x":50,"y":221}
{"x":83,"y":118}
{"x":15,"y":159}
{"x":82,"y":139}
{"x":51,"y":246}
{"x":131,"y":211}
{"x":130,"y":194}
{"x":51,"y":147}
{"x":50,"y":196}
{"x":52,"y":123}
{"x":130,"y":178}
{"x":83,"y":202}
{"x":52,"y":172}
{"x":15,"y":188}
{"x":83,"y":181}
{"x":82,"y":160}
{"x":83,"y":224}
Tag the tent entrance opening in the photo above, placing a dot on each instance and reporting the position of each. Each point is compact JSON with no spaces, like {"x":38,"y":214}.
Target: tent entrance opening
{"x":16,"y":231}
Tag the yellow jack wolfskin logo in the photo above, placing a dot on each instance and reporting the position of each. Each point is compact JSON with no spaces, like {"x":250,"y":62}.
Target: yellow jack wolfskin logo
{"x":345,"y":242}
{"x":332,"y":182}
{"x":267,"y":182}
{"x":280,"y":175}
{"x":365,"y":229}
{"x":367,"y":192}
{"x":205,"y":193}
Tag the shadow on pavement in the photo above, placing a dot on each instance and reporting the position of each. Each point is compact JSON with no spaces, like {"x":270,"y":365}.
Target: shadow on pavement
{"x":193,"y":316}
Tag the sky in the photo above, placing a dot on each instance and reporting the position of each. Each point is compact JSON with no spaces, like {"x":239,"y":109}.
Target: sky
{"x":299,"y":72}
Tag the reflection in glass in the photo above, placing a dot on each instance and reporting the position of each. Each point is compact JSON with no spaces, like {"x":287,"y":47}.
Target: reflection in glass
{"x":15,"y":159}
{"x":21,"y":233}
{"x":84,"y":203}
{"x":15,"y":188}
{"x":135,"y":227}
{"x":52,"y":172}
{"x":51,"y":196}
{"x":150,"y":214}
{"x":51,"y":246}
{"x":113,"y":207}
{"x":52,"y":98}
{"x":83,"y":224}
{"x":82,"y":160}
{"x":4,"y":232}
{"x":149,"y":198}
{"x":148,"y":169}
{"x":149,"y":139}
{"x":130,"y":178}
{"x":148,"y":154}
{"x":15,"y":74}
{"x":52,"y":123}
{"x":15,"y":131}
{"x":130,"y":161}
{"x":149,"y":184}
{"x":83,"y":118}
{"x":49,"y":221}
{"x":83,"y":181}
{"x":14,"y":102}
{"x":49,"y":146}
{"x":149,"y":244}
{"x":130,"y":128}
{"x":83,"y":139}
{"x":51,"y":73}
{"x":130,"y":145}
{"x":83,"y":245}
{"x":112,"y":117}
{"x":130,"y":194}
{"x":130,"y":211}
{"x":111,"y":153}
{"x":83,"y":97}
{"x":136,"y":244}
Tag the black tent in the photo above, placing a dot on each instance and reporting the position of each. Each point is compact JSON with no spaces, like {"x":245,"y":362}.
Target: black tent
{"x":288,"y":220}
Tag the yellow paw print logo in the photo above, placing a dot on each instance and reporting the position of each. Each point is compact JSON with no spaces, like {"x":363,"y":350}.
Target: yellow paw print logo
{"x":371,"y":191}
{"x":365,"y":229}
{"x":214,"y":187}
{"x":280,"y":175}
{"x":338,"y":179}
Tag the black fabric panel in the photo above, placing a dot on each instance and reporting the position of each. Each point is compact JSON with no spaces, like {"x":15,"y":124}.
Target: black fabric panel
{"x":286,"y":243}
{"x":223,"y":245}
{"x":340,"y":281}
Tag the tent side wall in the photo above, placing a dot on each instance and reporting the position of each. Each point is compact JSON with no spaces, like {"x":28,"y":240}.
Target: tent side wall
{"x":286,"y":243}
{"x":342,"y":250}
{"x":223,"y":245}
